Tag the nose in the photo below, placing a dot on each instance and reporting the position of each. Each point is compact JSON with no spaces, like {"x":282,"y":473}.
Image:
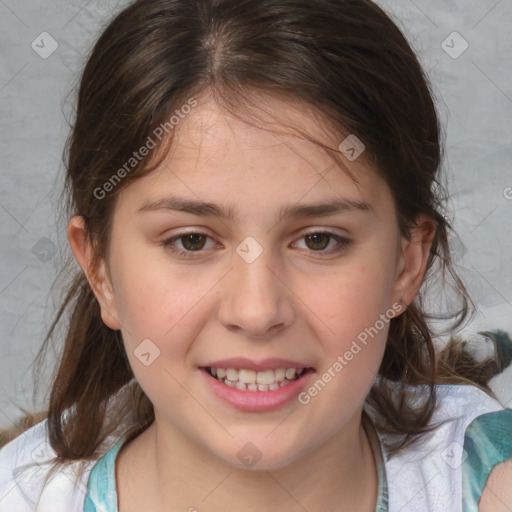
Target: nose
{"x":256,"y":300}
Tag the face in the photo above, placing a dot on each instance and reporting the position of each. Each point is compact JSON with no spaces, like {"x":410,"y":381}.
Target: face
{"x":266,"y":286}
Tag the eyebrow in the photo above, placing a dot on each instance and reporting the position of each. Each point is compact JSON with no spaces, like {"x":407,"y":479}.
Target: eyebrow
{"x":206,"y":209}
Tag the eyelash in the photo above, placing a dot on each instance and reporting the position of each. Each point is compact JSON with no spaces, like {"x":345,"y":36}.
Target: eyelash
{"x":168,"y":243}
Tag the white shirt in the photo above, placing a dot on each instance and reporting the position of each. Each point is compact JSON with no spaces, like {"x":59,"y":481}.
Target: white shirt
{"x":424,"y":478}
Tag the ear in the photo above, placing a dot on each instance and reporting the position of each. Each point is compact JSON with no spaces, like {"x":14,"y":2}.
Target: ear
{"x":413,"y":259}
{"x":98,"y":278}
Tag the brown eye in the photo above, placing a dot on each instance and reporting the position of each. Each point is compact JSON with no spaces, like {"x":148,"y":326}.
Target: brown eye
{"x":324,"y":243}
{"x":190,"y":243}
{"x":319,"y":241}
{"x":193,"y":241}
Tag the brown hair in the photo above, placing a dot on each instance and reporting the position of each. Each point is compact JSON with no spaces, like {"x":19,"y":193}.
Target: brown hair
{"x":345,"y":58}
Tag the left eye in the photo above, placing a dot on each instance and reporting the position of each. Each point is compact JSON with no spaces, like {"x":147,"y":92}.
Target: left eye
{"x":318,"y":241}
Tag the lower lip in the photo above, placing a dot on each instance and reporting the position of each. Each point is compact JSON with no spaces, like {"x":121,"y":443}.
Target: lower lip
{"x":255,"y":401}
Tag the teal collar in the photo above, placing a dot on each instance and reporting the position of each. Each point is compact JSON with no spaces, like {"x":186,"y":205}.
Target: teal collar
{"x":101,"y":488}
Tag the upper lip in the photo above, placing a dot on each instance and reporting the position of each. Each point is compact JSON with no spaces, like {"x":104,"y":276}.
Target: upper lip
{"x":248,"y":364}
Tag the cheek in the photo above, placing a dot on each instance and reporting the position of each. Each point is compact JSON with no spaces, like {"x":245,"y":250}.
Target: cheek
{"x":356,"y":308}
{"x":159,"y":302}
{"x":354,"y":297}
{"x":358,"y":318}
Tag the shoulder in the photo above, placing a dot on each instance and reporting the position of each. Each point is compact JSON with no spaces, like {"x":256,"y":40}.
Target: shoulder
{"x":487,"y":462}
{"x":482,"y":440}
{"x":497,"y":494}
{"x":26,"y":484}
{"x":438,"y":471}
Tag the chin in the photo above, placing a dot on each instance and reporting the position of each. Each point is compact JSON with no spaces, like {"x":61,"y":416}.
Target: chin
{"x":260,"y":456}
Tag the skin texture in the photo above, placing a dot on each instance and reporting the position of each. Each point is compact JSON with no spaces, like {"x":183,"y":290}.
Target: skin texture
{"x":292,"y":302}
{"x":497,"y":495}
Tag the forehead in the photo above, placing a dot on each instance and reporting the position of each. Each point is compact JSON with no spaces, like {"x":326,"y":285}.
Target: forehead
{"x":218,"y":156}
{"x":270,"y":124}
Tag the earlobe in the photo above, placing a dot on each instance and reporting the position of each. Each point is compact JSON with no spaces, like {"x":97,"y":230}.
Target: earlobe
{"x":413,"y":259}
{"x":96,"y":275}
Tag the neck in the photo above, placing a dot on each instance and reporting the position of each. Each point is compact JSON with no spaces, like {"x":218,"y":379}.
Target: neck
{"x":177,"y":474}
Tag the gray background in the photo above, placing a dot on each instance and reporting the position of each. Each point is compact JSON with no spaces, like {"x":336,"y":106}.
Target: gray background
{"x":474,"y":92}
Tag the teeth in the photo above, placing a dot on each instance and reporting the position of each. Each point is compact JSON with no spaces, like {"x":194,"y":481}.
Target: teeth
{"x":290,"y":373}
{"x":265,"y":377}
{"x":280,"y":374}
{"x":232,"y":374}
{"x":247,"y":376}
{"x":250,"y":380}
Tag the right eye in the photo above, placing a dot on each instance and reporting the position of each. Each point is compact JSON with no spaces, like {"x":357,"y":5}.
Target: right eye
{"x":191,"y":242}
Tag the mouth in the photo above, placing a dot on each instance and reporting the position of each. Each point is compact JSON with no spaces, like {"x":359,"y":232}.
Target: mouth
{"x":251,"y":380}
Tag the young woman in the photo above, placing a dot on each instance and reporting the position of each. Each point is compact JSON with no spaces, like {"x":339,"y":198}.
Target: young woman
{"x":254,"y":205}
